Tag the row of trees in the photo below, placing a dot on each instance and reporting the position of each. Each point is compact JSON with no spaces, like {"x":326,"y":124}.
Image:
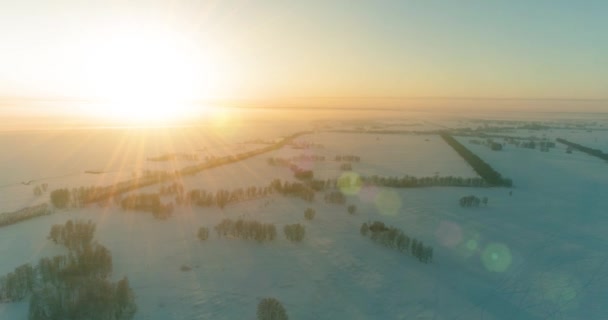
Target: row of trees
{"x":148,"y":202}
{"x":296,"y":189}
{"x":484,"y":170}
{"x":394,"y":238}
{"x":73,"y":286}
{"x":246,"y":229}
{"x":9,"y":218}
{"x":594,"y":152}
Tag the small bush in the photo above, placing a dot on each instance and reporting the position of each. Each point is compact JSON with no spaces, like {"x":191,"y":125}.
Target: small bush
{"x":271,"y":309}
{"x":352,"y":209}
{"x":309,"y":214}
{"x":60,"y":198}
{"x":364,"y":229}
{"x":203,"y":233}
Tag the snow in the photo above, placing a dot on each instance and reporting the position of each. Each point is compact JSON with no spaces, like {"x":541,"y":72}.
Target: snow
{"x":538,"y":254}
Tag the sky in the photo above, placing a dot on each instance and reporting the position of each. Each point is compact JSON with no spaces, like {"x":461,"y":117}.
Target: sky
{"x":279,"y":51}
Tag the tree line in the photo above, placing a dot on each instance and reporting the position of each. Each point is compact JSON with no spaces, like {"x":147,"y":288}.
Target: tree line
{"x":394,"y":238}
{"x":9,"y":218}
{"x":246,"y":229}
{"x":147,"y":202}
{"x":590,"y":151}
{"x":253,"y":230}
{"x":484,"y":170}
{"x":83,"y":196}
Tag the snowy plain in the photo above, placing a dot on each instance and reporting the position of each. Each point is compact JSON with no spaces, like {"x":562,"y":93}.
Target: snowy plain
{"x":539,"y":253}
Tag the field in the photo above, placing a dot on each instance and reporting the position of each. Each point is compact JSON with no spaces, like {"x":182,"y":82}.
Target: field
{"x":536,"y":251}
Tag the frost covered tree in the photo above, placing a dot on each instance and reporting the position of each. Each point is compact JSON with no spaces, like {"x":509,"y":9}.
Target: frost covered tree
{"x":352,"y":209}
{"x":294,"y":232}
{"x":309,"y":214}
{"x":364,"y":229}
{"x":203,"y":233}
{"x":60,"y":198}
{"x":271,"y":309}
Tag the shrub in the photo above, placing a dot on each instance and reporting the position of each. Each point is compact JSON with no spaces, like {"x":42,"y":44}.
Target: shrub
{"x":271,"y":309}
{"x":352,"y":209}
{"x":364,"y":229}
{"x":60,"y":198}
{"x":309,"y":214}
{"x":203,"y":233}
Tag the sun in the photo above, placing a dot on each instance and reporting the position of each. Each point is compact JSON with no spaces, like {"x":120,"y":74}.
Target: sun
{"x":146,"y":76}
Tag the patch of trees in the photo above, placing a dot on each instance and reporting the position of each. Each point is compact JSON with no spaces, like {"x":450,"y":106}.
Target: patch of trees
{"x":40,"y":189}
{"x":9,"y":218}
{"x":60,"y":198}
{"x":18,"y":284}
{"x":271,"y":309}
{"x":309,"y":214}
{"x":590,"y":151}
{"x":348,"y":158}
{"x":148,"y":202}
{"x":294,"y":232}
{"x":73,"y":286}
{"x":472,"y":201}
{"x":176,"y":156}
{"x":303,"y":174}
{"x":346,"y":166}
{"x":335,"y":197}
{"x":246,"y":229}
{"x":490,"y":143}
{"x":221,"y":198}
{"x":296,"y":189}
{"x":484,"y":170}
{"x":392,"y":237}
{"x":74,"y":235}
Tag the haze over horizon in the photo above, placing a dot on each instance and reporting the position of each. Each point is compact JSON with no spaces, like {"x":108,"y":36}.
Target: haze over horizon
{"x":516,"y":55}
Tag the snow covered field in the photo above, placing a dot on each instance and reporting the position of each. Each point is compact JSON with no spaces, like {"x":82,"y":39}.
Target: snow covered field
{"x":537,"y":254}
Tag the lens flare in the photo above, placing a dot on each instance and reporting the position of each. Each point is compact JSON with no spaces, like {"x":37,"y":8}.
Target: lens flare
{"x":496,"y":257}
{"x":449,"y":234}
{"x":388,"y":202}
{"x":350,"y":183}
